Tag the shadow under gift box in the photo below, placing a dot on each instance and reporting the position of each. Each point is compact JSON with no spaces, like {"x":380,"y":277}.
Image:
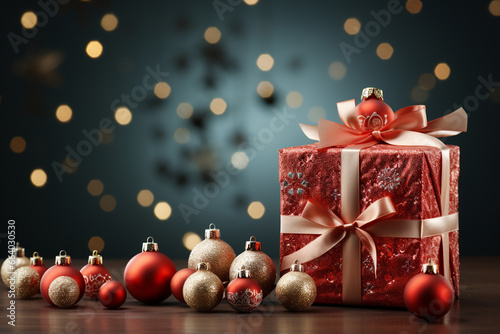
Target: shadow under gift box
{"x":410,"y":176}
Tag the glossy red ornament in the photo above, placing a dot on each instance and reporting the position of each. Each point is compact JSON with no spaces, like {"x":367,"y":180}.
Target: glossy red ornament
{"x":62,"y":267}
{"x":36,"y":262}
{"x":94,"y":275}
{"x":428,"y":295}
{"x":177,"y":283}
{"x":112,"y":294}
{"x":243,"y":293}
{"x":373,"y":113}
{"x":148,"y":274}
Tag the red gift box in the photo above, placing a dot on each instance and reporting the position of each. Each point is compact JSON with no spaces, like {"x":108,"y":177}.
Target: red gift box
{"x":320,"y":184}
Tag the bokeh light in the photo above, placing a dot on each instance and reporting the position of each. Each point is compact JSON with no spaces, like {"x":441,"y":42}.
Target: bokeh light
{"x":212,"y":35}
{"x":337,"y":70}
{"x":218,"y":106}
{"x":109,"y":22}
{"x":38,"y":177}
{"x":352,"y":26}
{"x":315,"y":113}
{"x":419,"y":95}
{"x":95,"y":187}
{"x":239,"y":160}
{"x":182,"y":135}
{"x":94,"y":49}
{"x":251,"y":2}
{"x":265,"y":89}
{"x":17,"y":144}
{"x":413,"y":6}
{"x":96,"y":243}
{"x":385,"y":51}
{"x":64,"y":113}
{"x":29,"y":20}
{"x":145,"y":197}
{"x":107,"y":203}
{"x":294,"y":99}
{"x":185,"y":110}
{"x":265,"y":62}
{"x":256,"y":210}
{"x":162,"y":90}
{"x":123,"y":116}
{"x":442,"y":71}
{"x":427,"y":81}
{"x":162,"y":210}
{"x":494,"y":8}
{"x":190,"y":240}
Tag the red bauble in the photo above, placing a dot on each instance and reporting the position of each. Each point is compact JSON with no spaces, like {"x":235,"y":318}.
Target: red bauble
{"x":112,"y":294}
{"x":40,"y":269}
{"x":177,"y":283}
{"x":95,"y":275}
{"x":374,"y":114}
{"x":148,"y":274}
{"x":243,"y":293}
{"x":62,"y":267}
{"x":428,"y":295}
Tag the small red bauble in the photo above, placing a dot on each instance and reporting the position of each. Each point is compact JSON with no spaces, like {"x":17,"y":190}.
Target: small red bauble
{"x":62,"y":267}
{"x":147,"y":275}
{"x":36,"y":262}
{"x":177,"y":283}
{"x":112,"y":294}
{"x":428,"y":295}
{"x":373,"y":113}
{"x":243,"y":293}
{"x":95,"y":275}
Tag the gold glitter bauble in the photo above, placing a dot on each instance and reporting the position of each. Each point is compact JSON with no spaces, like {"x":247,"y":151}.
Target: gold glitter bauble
{"x":203,"y":290}
{"x":261,"y":268}
{"x":27,"y":282}
{"x":7,"y":270}
{"x":217,"y":253}
{"x":296,"y":291}
{"x":64,"y":291}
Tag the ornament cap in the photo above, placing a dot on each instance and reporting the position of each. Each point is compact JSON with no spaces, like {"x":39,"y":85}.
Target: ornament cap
{"x":150,"y":245}
{"x":63,"y":259}
{"x":19,"y":250}
{"x":430,"y":268}
{"x":212,"y":232}
{"x":95,"y":258}
{"x":252,"y":244}
{"x":372,"y":92}
{"x":296,"y":266}
{"x":203,"y":266}
{"x":36,"y":260}
{"x":244,"y":273}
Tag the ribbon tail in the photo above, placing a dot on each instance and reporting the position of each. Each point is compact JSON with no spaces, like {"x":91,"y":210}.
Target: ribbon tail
{"x":369,"y":244}
{"x":448,"y":125}
{"x":311,"y":131}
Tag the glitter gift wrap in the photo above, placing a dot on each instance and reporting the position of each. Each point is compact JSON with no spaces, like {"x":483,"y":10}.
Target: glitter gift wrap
{"x":409,"y":175}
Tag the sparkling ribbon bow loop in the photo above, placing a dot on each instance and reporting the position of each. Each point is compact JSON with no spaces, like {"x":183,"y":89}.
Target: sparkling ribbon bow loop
{"x":334,"y":229}
{"x":410,"y":128}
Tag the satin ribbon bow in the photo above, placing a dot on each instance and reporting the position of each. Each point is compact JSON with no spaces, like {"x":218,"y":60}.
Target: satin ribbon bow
{"x":335,"y":229}
{"x":410,"y":127}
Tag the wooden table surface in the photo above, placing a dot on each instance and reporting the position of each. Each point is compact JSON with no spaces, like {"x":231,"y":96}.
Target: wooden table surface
{"x":477,"y":311}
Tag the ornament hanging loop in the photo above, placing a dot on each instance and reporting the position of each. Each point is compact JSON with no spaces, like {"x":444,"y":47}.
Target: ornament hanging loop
{"x":212,"y":232}
{"x":63,"y":259}
{"x":150,"y":245}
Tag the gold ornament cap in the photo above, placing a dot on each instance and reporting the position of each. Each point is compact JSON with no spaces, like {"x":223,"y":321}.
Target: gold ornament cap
{"x":150,"y":245}
{"x":430,"y":268}
{"x":244,"y":273}
{"x":95,"y":258}
{"x":212,"y":232}
{"x":252,"y":245}
{"x":372,"y":92}
{"x":63,"y":259}
{"x":36,"y":260}
{"x":203,"y":266}
{"x":296,"y":266}
{"x":19,"y":250}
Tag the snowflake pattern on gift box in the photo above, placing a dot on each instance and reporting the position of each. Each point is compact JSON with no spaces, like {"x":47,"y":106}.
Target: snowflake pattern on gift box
{"x":368,"y":288}
{"x":388,"y":179}
{"x":295,"y":183}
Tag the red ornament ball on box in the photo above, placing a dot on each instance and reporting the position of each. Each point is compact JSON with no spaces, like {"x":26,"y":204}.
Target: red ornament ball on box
{"x":243,"y":293}
{"x":373,"y":114}
{"x":428,"y":295}
{"x":147,"y":275}
{"x":112,"y":294}
{"x":177,"y":283}
{"x":62,"y":267}
{"x":94,"y":275}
